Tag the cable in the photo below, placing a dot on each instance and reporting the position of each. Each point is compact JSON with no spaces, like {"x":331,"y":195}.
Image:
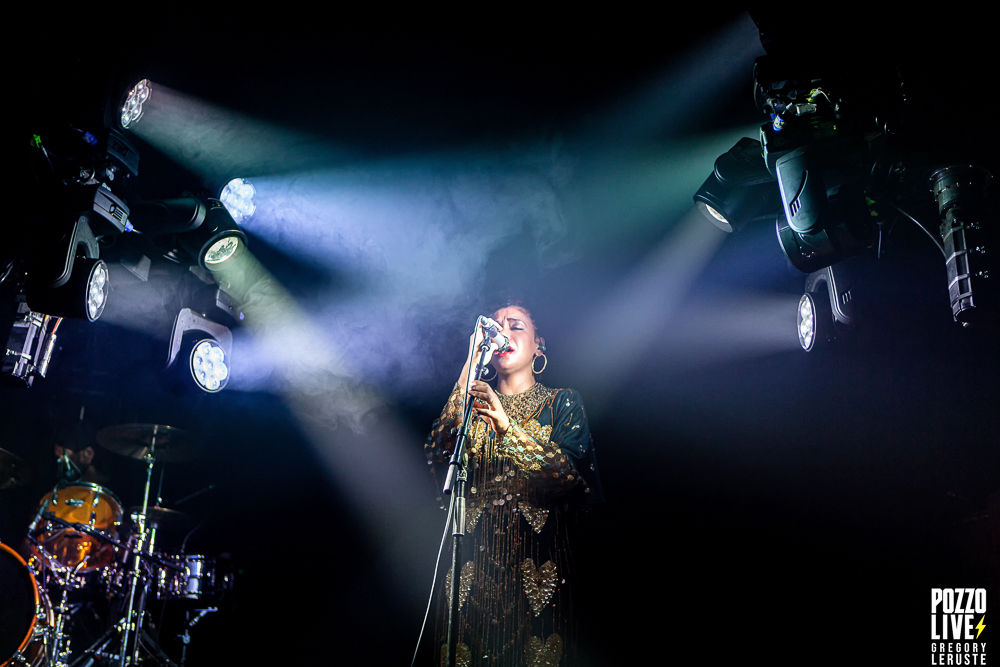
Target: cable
{"x":926,"y":231}
{"x":6,"y":272}
{"x":437,"y":567}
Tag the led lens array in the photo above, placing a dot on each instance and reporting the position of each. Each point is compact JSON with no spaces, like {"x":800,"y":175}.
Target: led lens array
{"x":132,"y":110}
{"x":807,"y":322}
{"x":222,"y":250}
{"x":97,"y":291}
{"x":208,"y":365}
{"x":237,"y":197}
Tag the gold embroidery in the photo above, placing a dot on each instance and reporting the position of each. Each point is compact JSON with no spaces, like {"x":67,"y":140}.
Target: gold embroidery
{"x":535,"y":516}
{"x":547,"y":654}
{"x":537,"y":431}
{"x":526,"y":404}
{"x":472,"y":516}
{"x":464,"y":657}
{"x":510,"y":475}
{"x":464,"y":582}
{"x":539,"y":584}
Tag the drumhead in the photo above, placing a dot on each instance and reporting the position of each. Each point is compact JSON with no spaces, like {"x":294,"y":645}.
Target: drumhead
{"x":103,"y":491}
{"x":18,"y":601}
{"x":79,"y":551}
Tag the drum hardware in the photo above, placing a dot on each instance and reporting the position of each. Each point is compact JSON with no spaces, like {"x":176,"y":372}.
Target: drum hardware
{"x":189,"y":577}
{"x":150,"y":442}
{"x":64,"y":575}
{"x":102,"y":648}
{"x":74,"y":537}
{"x":137,"y":441}
{"x":60,"y":642}
{"x":130,"y":633}
{"x":25,"y":639}
{"x":76,"y":526}
{"x":185,"y":637}
{"x":163,"y":518}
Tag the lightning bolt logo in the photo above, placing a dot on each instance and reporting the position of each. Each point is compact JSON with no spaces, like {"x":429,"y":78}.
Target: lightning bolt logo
{"x":980,"y":626}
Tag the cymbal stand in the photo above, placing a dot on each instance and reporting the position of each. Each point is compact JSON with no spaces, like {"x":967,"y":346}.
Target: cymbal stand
{"x":131,"y":631}
{"x":99,"y":649}
{"x":191,"y":622}
{"x":129,"y":628}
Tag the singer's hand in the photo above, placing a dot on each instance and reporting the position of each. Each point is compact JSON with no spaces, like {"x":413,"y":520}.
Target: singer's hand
{"x":475,"y":340}
{"x":487,"y":405}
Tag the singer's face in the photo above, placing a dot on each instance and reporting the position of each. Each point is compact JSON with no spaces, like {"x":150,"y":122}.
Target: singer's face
{"x":516,"y":325}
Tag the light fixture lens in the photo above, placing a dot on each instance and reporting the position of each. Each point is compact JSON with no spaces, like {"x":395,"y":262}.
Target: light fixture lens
{"x":132,"y":109}
{"x":97,"y":290}
{"x":237,"y":197}
{"x":715,"y":214}
{"x":222,"y":250}
{"x":208,"y":365}
{"x":807,"y":322}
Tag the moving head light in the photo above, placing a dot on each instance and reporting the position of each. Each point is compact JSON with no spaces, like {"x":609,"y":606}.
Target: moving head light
{"x":740,"y":188}
{"x":199,"y":354}
{"x":853,"y":145}
{"x":198,"y":229}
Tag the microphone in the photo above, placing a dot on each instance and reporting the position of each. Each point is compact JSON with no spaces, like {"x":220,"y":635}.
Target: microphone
{"x":67,"y":470}
{"x":492,"y":330}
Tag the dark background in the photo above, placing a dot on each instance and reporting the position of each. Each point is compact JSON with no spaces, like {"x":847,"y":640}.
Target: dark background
{"x":775,"y":503}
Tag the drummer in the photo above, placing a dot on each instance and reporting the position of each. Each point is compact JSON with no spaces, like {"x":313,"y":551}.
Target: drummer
{"x":75,"y":458}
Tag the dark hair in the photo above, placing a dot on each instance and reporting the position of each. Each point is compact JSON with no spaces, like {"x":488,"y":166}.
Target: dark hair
{"x":520,"y":303}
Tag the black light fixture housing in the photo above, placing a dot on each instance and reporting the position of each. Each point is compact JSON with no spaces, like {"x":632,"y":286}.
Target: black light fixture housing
{"x":855,"y":145}
{"x":199,"y":354}
{"x":199,"y":229}
{"x":740,"y":188}
{"x":827,"y":309}
{"x":83,"y":296}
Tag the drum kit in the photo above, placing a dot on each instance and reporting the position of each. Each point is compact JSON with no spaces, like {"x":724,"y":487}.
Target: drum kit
{"x":78,"y":546}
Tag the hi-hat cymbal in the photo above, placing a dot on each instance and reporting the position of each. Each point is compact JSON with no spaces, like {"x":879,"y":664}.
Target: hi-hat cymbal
{"x":14,"y":472}
{"x":163,"y":518}
{"x":136,"y":441}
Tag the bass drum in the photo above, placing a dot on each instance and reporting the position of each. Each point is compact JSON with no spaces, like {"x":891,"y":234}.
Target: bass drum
{"x":88,"y":504}
{"x":24,"y":613}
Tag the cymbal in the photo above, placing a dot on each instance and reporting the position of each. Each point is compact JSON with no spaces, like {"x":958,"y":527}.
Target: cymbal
{"x":137,"y":440}
{"x":163,"y":517}
{"x":14,"y":472}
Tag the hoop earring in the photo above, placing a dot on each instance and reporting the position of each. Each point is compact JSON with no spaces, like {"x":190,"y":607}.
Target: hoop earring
{"x":544,"y":364}
{"x":486,"y":378}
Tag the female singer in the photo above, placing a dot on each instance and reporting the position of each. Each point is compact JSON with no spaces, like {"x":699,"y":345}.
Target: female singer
{"x":531,"y":460}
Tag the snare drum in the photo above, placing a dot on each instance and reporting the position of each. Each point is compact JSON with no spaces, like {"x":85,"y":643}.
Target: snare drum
{"x":24,"y":612}
{"x":191,"y":578}
{"x":88,"y":504}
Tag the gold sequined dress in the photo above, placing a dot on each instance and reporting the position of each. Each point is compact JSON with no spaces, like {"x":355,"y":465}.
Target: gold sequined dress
{"x":515,"y":578}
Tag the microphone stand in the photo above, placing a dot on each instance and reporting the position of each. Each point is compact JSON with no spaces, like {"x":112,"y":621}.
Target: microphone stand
{"x":457,"y":473}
